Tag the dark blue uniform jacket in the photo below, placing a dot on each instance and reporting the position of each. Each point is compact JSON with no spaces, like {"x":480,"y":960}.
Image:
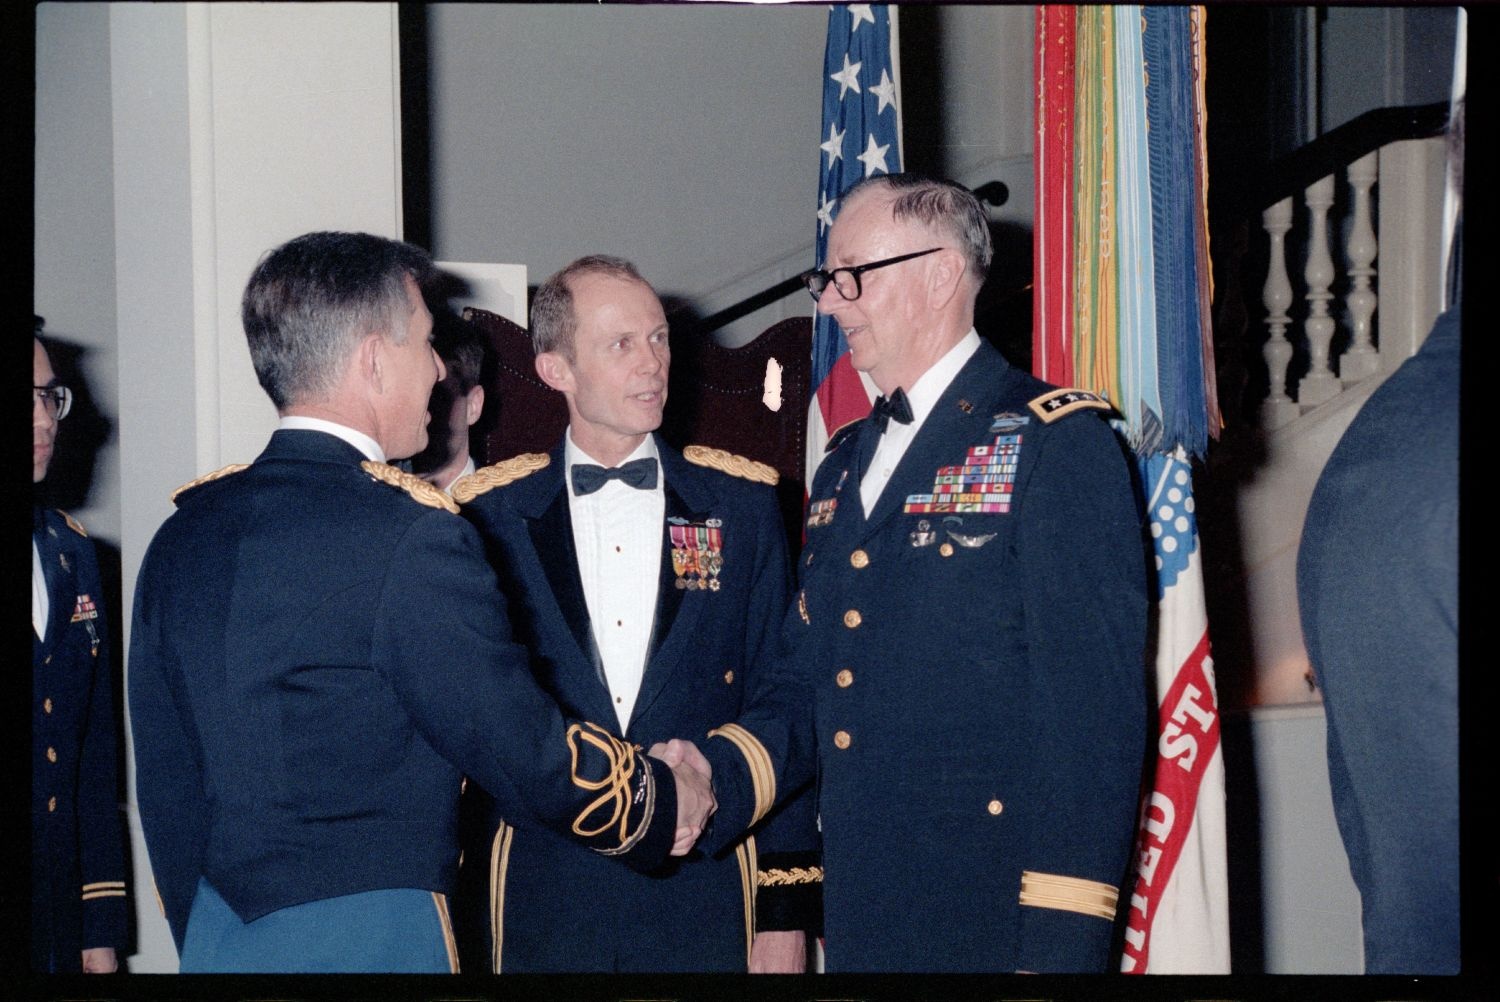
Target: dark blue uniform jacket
{"x":316,"y":659}
{"x":977,"y":686}
{"x":555,"y":907}
{"x":77,"y":862}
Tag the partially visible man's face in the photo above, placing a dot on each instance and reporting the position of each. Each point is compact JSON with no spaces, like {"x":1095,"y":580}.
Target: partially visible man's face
{"x":880,"y":324}
{"x":453,"y":411}
{"x":415,"y":368}
{"x":618,"y":375}
{"x":43,"y":424}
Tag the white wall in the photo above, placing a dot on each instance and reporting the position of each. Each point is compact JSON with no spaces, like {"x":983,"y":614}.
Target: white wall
{"x":177,"y":143}
{"x":74,"y":284}
{"x":551,"y":136}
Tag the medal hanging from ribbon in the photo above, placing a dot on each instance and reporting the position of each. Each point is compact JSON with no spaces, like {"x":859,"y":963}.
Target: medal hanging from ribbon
{"x":697,"y":553}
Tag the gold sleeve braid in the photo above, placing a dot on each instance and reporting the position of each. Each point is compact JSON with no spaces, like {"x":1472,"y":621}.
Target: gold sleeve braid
{"x":728,"y":462}
{"x":616,"y":794}
{"x":208,"y":477}
{"x":420,"y":490}
{"x":796,"y":875}
{"x":498,"y":475}
{"x":1070,"y":894}
{"x":762,"y":774}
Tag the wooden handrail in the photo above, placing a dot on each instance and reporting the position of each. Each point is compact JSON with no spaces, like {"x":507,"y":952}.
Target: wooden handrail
{"x":1335,"y":150}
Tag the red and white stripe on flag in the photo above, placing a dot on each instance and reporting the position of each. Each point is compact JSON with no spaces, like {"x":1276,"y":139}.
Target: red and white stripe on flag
{"x":1179,"y":906}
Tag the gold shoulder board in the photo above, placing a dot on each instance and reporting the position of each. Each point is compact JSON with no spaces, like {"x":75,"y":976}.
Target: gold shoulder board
{"x":728,"y":462}
{"x":207,"y":477}
{"x":1055,"y":404}
{"x":498,"y":475}
{"x":73,"y":523}
{"x":420,"y":490}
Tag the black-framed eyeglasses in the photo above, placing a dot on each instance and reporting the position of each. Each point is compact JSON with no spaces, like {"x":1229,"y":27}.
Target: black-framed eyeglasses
{"x":846,"y":280}
{"x":55,"y":400}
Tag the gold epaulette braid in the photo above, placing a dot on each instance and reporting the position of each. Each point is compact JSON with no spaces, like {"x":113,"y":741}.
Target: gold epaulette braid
{"x":208,"y":477}
{"x":420,"y":490}
{"x":728,"y":462}
{"x":498,"y":475}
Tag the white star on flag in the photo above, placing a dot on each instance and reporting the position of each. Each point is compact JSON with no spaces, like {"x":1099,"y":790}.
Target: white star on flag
{"x":825,"y":212}
{"x":847,"y":78}
{"x":860,"y":12}
{"x":874,"y":158}
{"x":835,"y":145}
{"x":885,"y":90}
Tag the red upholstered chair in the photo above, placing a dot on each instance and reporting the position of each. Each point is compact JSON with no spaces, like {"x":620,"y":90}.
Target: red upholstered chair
{"x":715,"y":398}
{"x":527,"y":415}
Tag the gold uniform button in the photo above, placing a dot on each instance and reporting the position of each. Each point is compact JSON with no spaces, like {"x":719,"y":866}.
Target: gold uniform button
{"x":859,"y":559}
{"x":946,"y":549}
{"x":51,"y":804}
{"x":729,"y":677}
{"x":841,"y":739}
{"x":852,"y":618}
{"x":47,"y":705}
{"x":996,"y":807}
{"x":844,"y":678}
{"x":47,"y":660}
{"x":51,"y":754}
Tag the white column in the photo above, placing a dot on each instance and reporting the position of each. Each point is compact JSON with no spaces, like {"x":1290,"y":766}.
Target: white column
{"x":1319,"y":384}
{"x":1277,"y":297}
{"x":1361,"y":360}
{"x":236,"y":127}
{"x":1412,"y":175}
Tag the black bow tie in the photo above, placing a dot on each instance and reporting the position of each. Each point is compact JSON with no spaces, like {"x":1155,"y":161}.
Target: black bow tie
{"x":897,"y":407}
{"x":638,"y":473}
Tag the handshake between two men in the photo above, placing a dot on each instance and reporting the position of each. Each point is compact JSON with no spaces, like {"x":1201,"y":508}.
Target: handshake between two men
{"x":695,"y":791}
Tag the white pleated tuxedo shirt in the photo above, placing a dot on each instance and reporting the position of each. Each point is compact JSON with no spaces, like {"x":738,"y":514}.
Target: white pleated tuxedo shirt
{"x":617,"y":534}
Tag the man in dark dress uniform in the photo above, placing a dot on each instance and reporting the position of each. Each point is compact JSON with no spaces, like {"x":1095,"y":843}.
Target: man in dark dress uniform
{"x":970,"y":623}
{"x":78,"y":903}
{"x":648,"y":583}
{"x":319,"y":653}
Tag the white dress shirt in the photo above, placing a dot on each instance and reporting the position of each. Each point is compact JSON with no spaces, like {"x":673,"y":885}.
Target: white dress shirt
{"x":469,"y":468}
{"x":617,"y":532}
{"x":923,"y":397}
{"x":364,"y":443}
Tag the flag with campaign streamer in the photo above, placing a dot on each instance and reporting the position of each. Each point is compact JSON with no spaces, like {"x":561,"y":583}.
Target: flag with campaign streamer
{"x":861,"y":136}
{"x":1121,"y":301}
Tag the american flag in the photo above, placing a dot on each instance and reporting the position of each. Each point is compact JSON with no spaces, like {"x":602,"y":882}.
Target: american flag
{"x":861,"y":137}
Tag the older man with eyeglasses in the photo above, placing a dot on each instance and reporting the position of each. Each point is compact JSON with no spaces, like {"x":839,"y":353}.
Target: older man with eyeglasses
{"x":78,"y":903}
{"x":968,"y":630}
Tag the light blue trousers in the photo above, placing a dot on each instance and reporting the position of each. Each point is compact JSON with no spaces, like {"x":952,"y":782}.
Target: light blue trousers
{"x":396,"y":930}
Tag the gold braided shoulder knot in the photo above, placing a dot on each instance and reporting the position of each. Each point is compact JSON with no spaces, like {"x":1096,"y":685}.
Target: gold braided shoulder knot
{"x":208,"y":478}
{"x":728,"y":462}
{"x":498,"y":475}
{"x":420,"y":490}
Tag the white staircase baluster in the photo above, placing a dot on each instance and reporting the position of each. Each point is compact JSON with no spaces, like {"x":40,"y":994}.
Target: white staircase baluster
{"x":1362,"y":360}
{"x":1277,"y":296}
{"x":1319,"y":384}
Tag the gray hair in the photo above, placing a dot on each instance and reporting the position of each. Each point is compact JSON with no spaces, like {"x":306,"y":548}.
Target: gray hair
{"x":310,"y":300}
{"x":553,"y":322}
{"x":940,"y":205}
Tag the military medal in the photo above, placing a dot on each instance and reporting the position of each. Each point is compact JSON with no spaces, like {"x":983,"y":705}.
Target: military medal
{"x":820,"y":513}
{"x":697,"y":553}
{"x":923,"y":535}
